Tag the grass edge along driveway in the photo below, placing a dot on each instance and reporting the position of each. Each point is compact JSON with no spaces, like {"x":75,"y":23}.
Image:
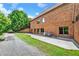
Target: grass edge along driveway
{"x":47,"y":48}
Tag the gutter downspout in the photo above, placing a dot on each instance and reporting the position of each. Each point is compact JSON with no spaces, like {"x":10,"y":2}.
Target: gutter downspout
{"x":73,"y":19}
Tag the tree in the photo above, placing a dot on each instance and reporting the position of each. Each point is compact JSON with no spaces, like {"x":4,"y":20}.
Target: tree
{"x":4,"y":24}
{"x":19,"y":20}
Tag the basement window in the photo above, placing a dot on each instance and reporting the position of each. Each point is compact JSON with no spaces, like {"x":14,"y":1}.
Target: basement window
{"x":37,"y":30}
{"x":63,"y":30}
{"x":60,"y":30}
{"x":34,"y":30}
{"x":42,"y":29}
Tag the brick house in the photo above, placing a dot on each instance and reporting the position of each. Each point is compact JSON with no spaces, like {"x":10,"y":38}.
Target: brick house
{"x":27,"y":30}
{"x":60,"y":20}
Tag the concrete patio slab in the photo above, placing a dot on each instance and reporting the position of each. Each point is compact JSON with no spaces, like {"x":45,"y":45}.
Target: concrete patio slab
{"x":61,"y":43}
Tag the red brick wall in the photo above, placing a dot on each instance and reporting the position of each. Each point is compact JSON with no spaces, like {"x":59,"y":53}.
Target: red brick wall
{"x":60,"y":16}
{"x":76,"y":31}
{"x":76,"y":24}
{"x":25,"y":30}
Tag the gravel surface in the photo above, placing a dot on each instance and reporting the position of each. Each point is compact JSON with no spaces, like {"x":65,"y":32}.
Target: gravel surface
{"x":12,"y":46}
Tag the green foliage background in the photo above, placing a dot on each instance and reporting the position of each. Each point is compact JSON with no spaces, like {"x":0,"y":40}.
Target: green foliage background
{"x":19,"y":20}
{"x":4,"y":23}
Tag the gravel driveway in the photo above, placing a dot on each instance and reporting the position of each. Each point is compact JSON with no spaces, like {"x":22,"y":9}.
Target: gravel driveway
{"x":13,"y":46}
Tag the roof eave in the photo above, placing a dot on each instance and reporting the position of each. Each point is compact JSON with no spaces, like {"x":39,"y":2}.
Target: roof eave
{"x":57,"y":5}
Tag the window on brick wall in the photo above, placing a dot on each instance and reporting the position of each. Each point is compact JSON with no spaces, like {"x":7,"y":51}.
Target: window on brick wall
{"x":37,"y":30}
{"x":60,"y":30}
{"x":34,"y":30}
{"x":42,"y":29}
{"x":63,"y":30}
{"x":38,"y":21}
{"x":77,"y":18}
{"x":42,"y":20}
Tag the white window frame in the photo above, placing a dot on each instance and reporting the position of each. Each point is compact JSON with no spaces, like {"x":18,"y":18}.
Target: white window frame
{"x":43,"y":20}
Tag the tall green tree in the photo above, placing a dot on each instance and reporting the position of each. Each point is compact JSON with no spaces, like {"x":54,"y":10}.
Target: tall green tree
{"x":4,"y":23}
{"x":19,"y":20}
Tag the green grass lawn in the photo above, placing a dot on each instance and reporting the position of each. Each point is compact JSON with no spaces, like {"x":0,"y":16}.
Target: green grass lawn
{"x":47,"y":48}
